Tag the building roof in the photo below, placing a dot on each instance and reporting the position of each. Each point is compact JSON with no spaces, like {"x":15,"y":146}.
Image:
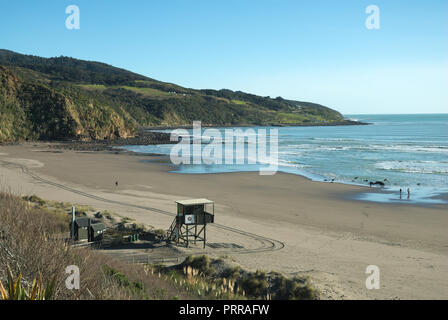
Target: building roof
{"x":98,"y":227}
{"x":82,"y":222}
{"x":192,"y":202}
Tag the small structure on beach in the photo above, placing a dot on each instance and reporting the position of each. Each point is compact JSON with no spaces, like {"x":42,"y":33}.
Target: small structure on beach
{"x":80,"y":229}
{"x":191,"y":221}
{"x":84,"y":230}
{"x":96,"y":232}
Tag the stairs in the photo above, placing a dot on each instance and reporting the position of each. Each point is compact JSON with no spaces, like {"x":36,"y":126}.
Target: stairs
{"x":172,"y":235}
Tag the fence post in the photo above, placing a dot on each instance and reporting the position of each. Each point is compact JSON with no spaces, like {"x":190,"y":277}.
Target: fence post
{"x":73,"y":223}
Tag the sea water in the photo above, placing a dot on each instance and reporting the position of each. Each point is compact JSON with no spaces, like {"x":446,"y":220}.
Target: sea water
{"x":403,"y":151}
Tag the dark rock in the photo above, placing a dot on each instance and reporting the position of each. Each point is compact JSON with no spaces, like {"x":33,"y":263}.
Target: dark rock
{"x":98,"y":215}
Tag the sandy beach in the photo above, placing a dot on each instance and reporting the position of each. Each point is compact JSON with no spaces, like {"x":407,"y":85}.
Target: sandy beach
{"x":325,"y":233}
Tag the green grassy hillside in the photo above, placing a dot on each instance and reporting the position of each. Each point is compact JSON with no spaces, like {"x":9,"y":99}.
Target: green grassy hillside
{"x":66,"y":98}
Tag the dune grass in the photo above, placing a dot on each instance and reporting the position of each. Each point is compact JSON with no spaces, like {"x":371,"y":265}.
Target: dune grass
{"x":197,"y":274}
{"x":31,"y":246}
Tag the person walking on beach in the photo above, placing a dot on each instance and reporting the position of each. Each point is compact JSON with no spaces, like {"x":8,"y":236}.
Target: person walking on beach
{"x":401,"y":192}
{"x":116,"y":184}
{"x":409,"y":193}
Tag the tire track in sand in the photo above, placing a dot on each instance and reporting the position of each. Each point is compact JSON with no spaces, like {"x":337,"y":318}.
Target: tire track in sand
{"x":266,"y":244}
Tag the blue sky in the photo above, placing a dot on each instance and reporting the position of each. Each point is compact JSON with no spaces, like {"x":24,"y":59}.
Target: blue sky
{"x":317,"y":51}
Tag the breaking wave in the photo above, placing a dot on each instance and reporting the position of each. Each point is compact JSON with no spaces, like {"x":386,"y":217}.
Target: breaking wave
{"x":427,"y":167}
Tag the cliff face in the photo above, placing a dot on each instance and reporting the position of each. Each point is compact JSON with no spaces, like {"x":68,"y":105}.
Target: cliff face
{"x":33,"y":111}
{"x":66,"y":98}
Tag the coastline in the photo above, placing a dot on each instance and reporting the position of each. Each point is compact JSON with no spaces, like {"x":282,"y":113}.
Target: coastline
{"x":326,"y":235}
{"x":319,"y":124}
{"x":385,"y":194}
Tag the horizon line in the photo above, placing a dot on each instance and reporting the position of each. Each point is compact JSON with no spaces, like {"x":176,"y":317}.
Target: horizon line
{"x":391,"y":114}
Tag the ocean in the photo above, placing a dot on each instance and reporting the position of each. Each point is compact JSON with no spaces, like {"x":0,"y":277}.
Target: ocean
{"x":403,"y":151}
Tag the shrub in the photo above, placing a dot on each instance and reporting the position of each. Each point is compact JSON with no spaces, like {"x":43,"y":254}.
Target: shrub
{"x":123,"y":281}
{"x":298,"y":288}
{"x":35,"y":199}
{"x":254,"y":284}
{"x":201,"y":263}
{"x":15,"y":290}
{"x":232,"y":273}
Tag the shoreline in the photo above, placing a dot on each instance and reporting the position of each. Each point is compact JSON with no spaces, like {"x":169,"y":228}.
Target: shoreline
{"x":326,"y":236}
{"x":426,"y":200}
{"x":153,"y":138}
{"x":322,"y":124}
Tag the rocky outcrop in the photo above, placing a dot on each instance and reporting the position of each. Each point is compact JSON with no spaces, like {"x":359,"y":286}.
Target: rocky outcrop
{"x":32,"y":111}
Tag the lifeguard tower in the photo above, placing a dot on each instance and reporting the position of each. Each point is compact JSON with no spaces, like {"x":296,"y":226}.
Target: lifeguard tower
{"x":191,"y":221}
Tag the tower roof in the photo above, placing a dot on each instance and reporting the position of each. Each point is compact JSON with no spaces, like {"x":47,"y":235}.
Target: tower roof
{"x":192,"y":202}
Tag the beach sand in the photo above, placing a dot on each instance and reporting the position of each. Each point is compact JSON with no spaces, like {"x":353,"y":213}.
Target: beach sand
{"x":325,"y":233}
